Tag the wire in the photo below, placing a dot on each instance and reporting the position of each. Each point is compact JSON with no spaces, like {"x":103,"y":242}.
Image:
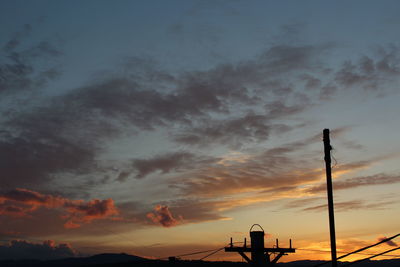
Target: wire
{"x":336,"y":163}
{"x":367,"y":247}
{"x":328,"y":251}
{"x":201,"y":252}
{"x":380,"y":254}
{"x":194,"y":253}
{"x":212,"y":253}
{"x":189,"y":254}
{"x":361,"y":249}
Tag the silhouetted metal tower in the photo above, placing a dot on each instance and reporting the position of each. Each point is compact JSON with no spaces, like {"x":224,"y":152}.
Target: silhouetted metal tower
{"x":327,"y":150}
{"x":260,"y":255}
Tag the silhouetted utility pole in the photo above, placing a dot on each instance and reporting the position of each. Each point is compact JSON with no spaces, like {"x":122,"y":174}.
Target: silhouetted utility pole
{"x":260,"y":256}
{"x":327,"y":150}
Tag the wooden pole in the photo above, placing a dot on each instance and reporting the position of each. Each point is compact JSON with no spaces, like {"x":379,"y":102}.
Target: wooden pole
{"x":327,"y":150}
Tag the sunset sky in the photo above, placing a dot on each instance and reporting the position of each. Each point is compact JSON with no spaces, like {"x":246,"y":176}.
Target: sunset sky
{"x":159,"y":128}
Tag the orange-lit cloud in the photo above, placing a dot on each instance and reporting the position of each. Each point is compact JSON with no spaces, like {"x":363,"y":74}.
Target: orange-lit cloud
{"x":163,"y":216}
{"x":22,"y":202}
{"x":273,"y":170}
{"x":244,"y":180}
{"x":85,"y":212}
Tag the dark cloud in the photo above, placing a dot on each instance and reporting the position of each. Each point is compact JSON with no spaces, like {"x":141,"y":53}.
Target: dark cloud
{"x":270,"y":171}
{"x":12,"y":210}
{"x":32,"y":145}
{"x":389,"y":242}
{"x":299,"y":203}
{"x":15,"y":40}
{"x":282,"y":59}
{"x":266,"y":77}
{"x":173,"y":212}
{"x":278,"y":109}
{"x":19,"y":68}
{"x":264,"y":171}
{"x":251,"y":127}
{"x":162,"y":215}
{"x":164,"y":163}
{"x":197,"y":210}
{"x":48,"y":250}
{"x":189,"y":210}
{"x":85,"y":212}
{"x":65,"y":134}
{"x":378,"y":179}
{"x":311,"y":82}
{"x":350,"y":205}
{"x":370,"y":73}
{"x":229,"y":104}
{"x":24,"y":202}
{"x":30,"y":161}
{"x":137,"y":97}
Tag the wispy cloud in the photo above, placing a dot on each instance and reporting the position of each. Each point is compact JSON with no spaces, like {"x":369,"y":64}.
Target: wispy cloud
{"x":378,"y":179}
{"x":351,"y":205}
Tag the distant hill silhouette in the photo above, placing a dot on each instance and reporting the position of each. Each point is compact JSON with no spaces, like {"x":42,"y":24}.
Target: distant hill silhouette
{"x":125,"y":260}
{"x":383,"y":263}
{"x":105,"y":258}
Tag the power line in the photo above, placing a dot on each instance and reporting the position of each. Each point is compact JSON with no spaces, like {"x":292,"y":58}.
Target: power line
{"x":340,"y":252}
{"x":212,"y":253}
{"x":380,"y":254}
{"x":192,"y":253}
{"x":367,"y":247}
{"x":201,"y":252}
{"x":362,"y":249}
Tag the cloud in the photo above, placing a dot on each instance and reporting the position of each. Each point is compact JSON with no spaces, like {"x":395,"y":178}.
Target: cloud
{"x":249,"y":128}
{"x":263,"y":77}
{"x":370,"y":73}
{"x":162,"y":215}
{"x":18,"y":70}
{"x":63,"y":134}
{"x":164,"y":163}
{"x":48,"y":250}
{"x":31,"y":198}
{"x":269,"y":171}
{"x":298,"y":203}
{"x":33,"y":143}
{"x":389,"y":242}
{"x":24,"y":202}
{"x":378,"y":179}
{"x":179,"y":161}
{"x":12,"y":210}
{"x":230,"y":104}
{"x":81,"y":212}
{"x":350,"y":205}
{"x":195,"y":210}
{"x":29,"y":160}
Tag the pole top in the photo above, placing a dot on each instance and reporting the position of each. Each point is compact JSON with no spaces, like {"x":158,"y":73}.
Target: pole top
{"x":256,"y":224}
{"x":326,"y":140}
{"x":326,"y":134}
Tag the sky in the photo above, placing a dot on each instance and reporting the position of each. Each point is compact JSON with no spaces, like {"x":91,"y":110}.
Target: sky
{"x":159,"y":128}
